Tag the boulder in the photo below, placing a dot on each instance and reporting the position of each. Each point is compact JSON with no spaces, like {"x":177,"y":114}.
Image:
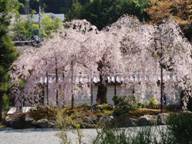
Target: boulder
{"x":44,"y":123}
{"x":18,"y":121}
{"x":131,"y":122}
{"x":91,"y":119}
{"x":124,"y":121}
{"x":105,"y":120}
{"x":147,"y":120}
{"x":12,"y":110}
{"x":162,"y":118}
{"x":26,"y":109}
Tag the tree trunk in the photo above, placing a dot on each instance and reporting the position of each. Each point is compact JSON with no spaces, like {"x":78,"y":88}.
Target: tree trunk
{"x":102,"y":91}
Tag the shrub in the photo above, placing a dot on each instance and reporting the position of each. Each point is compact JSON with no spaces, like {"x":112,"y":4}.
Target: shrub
{"x":25,"y":29}
{"x":6,"y":102}
{"x":173,"y":107}
{"x":144,"y":135}
{"x":153,"y":102}
{"x":50,"y":25}
{"x":66,"y":119}
{"x":111,"y":136}
{"x":43,"y":113}
{"x":189,"y":105}
{"x":124,"y":104}
{"x":180,"y":126}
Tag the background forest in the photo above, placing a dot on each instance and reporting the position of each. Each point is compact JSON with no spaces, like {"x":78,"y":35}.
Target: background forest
{"x":105,"y":12}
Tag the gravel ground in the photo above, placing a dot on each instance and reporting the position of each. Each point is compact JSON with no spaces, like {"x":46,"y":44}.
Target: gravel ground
{"x":47,"y":136}
{"x":41,"y":136}
{"x":29,"y":136}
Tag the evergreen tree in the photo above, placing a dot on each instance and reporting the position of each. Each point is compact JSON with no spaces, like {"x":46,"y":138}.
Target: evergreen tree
{"x":7,"y":51}
{"x":104,"y":12}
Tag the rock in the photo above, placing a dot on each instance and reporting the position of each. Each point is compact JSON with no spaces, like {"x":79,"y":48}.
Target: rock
{"x":52,"y":124}
{"x":187,"y":111}
{"x":125,"y":121}
{"x":17,"y":121}
{"x":44,"y":123}
{"x":106,"y":119}
{"x":147,"y":120}
{"x":12,"y":110}
{"x":29,"y":120}
{"x":162,"y":118}
{"x":131,"y":122}
{"x":26,"y":109}
{"x":91,"y":119}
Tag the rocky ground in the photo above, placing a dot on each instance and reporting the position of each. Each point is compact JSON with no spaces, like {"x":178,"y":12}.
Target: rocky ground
{"x":50,"y":118}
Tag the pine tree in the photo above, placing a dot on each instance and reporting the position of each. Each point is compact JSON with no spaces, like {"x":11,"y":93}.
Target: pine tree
{"x":7,"y":51}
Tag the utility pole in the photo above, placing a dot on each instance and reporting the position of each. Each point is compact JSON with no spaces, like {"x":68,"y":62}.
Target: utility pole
{"x":162,"y":89}
{"x":115,"y":85}
{"x":56,"y":79}
{"x":72,"y":90}
{"x":91,"y":85}
{"x":158,"y":38}
{"x":63,"y":77}
{"x":162,"y":83}
{"x":47,"y":87}
{"x":161,"y":73}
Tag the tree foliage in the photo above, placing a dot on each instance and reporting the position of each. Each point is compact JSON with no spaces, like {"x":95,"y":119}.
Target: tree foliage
{"x":179,"y":10}
{"x":25,"y":29}
{"x":54,"y":6}
{"x":104,"y":12}
{"x":7,"y":50}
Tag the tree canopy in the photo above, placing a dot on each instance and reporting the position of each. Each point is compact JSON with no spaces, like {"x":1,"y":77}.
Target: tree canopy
{"x":7,"y":51}
{"x":104,"y":12}
{"x":179,"y":10}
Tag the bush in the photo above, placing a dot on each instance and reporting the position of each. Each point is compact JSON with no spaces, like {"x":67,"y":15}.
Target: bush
{"x":49,"y":25}
{"x":6,"y":102}
{"x":172,"y":108}
{"x":180,"y":126}
{"x":153,"y":102}
{"x":43,"y":113}
{"x":25,"y":29}
{"x":144,"y":135}
{"x":124,"y":104}
{"x":189,"y":105}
